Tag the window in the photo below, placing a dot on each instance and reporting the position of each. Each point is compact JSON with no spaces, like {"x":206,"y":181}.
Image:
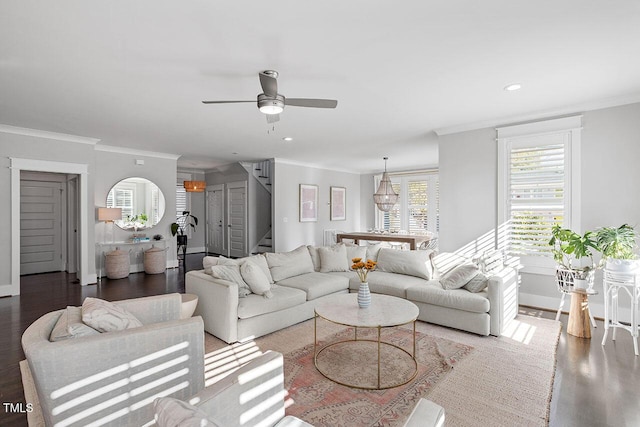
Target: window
{"x":122,"y":198}
{"x":417,"y":210}
{"x":538,"y":186}
{"x":183,"y":198}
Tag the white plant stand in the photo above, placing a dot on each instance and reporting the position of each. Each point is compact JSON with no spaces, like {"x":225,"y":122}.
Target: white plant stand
{"x":629,"y":282}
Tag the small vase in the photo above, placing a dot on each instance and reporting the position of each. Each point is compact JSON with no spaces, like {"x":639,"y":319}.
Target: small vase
{"x":364,"y":296}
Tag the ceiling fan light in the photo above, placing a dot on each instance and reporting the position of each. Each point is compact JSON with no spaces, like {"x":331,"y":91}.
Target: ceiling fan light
{"x":271,"y":109}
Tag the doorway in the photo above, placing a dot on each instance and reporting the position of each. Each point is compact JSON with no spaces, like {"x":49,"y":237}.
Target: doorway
{"x":237,"y":217}
{"x":215,"y":219}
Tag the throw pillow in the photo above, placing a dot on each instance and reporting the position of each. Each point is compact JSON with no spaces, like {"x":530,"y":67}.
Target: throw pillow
{"x":261,"y":262}
{"x":459,"y":276}
{"x":315,"y":257}
{"x":289,"y":264}
{"x":373,"y":251}
{"x":478,"y":283}
{"x":491,"y":261}
{"x":255,"y":278}
{"x":222,"y":260}
{"x":69,"y":325}
{"x":444,"y":262}
{"x":411,"y":263}
{"x":354,"y":251}
{"x":105,"y":316}
{"x":230,"y":273}
{"x":171,"y":412}
{"x":333,"y":258}
{"x":209,"y":261}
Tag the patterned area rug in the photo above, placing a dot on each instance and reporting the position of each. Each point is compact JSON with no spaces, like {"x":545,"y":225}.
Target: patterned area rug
{"x":322,"y":402}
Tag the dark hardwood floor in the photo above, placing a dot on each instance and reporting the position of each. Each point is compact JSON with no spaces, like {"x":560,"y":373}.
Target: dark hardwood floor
{"x":594,"y":385}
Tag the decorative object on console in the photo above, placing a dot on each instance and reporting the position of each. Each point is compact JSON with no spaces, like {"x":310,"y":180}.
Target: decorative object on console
{"x":308,"y":203}
{"x":109,"y":215}
{"x":385,"y":198}
{"x":194,"y":186}
{"x":362,"y":269}
{"x":338,"y":202}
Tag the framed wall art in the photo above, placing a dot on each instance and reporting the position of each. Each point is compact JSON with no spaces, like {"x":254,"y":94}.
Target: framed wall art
{"x":308,"y":203}
{"x":338,"y":202}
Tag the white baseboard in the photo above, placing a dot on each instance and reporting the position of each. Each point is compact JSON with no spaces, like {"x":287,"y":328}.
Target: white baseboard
{"x":92,"y":279}
{"x":8,"y":290}
{"x":551,"y":303}
{"x":172,"y":263}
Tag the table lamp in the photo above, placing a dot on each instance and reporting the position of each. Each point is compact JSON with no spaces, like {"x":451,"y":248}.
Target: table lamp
{"x":109,"y":215}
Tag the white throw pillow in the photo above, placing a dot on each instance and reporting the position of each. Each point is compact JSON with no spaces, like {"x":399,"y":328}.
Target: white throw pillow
{"x":459,"y":276}
{"x":255,"y":278}
{"x":171,"y":412}
{"x":209,"y":261}
{"x":261,"y":262}
{"x":315,"y":257}
{"x":333,"y":258}
{"x":105,"y":316}
{"x":69,"y":325}
{"x":478,"y":283}
{"x":410,"y":263}
{"x":444,"y":262}
{"x":230,"y":273}
{"x":354,"y":251}
{"x":289,"y":264}
{"x":373,"y":251}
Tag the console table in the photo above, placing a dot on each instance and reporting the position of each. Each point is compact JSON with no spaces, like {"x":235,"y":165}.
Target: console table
{"x":136,"y":253}
{"x":413,"y":240}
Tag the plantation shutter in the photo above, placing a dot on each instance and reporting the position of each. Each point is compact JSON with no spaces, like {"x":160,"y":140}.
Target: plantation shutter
{"x":418,"y":206}
{"x":392,"y":219}
{"x":121,"y":198}
{"x":181,"y":200}
{"x":536,"y":196}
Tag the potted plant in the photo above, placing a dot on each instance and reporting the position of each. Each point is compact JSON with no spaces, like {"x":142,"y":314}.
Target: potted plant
{"x":568,"y":247}
{"x":181,"y":225}
{"x":618,"y":247}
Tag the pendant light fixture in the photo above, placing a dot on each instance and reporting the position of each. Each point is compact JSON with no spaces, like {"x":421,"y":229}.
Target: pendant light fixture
{"x":194,"y":186}
{"x":385,"y":198}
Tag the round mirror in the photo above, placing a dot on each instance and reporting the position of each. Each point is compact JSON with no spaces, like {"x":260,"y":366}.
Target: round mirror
{"x":141,"y":201}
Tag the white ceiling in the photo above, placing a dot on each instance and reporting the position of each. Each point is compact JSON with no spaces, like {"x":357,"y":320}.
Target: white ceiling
{"x":133,"y":73}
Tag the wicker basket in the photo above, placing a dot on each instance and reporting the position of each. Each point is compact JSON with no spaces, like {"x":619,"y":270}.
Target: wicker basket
{"x":117,"y":264}
{"x":155,"y":260}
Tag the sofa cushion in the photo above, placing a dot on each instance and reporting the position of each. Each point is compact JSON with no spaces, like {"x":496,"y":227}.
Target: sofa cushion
{"x":459,"y":276}
{"x":411,"y":263}
{"x":105,"y":316}
{"x":393,"y":284}
{"x":333,"y":258}
{"x":373,"y":251}
{"x":315,"y":257}
{"x":461,"y":299}
{"x":288,"y":264}
{"x":317,"y":284}
{"x":354,"y":251}
{"x":283,"y":297}
{"x":69,"y":325}
{"x":209,"y":261}
{"x":231,"y":273}
{"x":171,"y":412}
{"x":255,"y":278}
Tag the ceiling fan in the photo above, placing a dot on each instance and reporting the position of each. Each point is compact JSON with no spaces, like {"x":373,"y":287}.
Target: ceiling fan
{"x":272,"y":103}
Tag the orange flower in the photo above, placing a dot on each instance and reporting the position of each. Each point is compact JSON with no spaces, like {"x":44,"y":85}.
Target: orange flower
{"x":363,"y":268}
{"x":356,"y":260}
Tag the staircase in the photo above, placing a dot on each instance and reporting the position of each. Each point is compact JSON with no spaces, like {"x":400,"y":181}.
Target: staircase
{"x":261,"y":171}
{"x":265,"y":244}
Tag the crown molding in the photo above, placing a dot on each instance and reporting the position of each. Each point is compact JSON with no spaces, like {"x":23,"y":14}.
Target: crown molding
{"x":135,"y":152}
{"x":48,"y":135}
{"x":587,"y":106}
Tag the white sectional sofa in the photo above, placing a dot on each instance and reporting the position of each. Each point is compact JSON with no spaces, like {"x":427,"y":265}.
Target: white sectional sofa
{"x":300,"y":278}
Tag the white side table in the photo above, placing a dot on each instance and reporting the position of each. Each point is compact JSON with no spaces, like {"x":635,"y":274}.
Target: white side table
{"x":612,"y":283}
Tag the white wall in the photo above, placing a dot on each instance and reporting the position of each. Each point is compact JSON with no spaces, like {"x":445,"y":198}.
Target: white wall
{"x":288,"y":231}
{"x":112,"y":167}
{"x":367,"y":207}
{"x":610,"y":153}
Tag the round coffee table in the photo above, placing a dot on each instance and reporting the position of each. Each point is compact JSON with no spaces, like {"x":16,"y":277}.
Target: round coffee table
{"x":384,"y":312}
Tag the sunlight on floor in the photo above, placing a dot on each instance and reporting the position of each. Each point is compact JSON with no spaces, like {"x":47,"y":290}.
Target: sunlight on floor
{"x":519,"y":331}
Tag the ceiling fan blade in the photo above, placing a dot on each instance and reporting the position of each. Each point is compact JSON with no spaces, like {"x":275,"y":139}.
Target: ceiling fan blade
{"x":269,"y":84}
{"x":272,"y":118}
{"x":223,"y":102}
{"x":314,"y":103}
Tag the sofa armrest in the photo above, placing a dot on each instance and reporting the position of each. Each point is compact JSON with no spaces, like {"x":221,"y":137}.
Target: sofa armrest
{"x":85,"y":379}
{"x":153,"y":309}
{"x":503,"y":299}
{"x":217,"y":304}
{"x":253,"y":394}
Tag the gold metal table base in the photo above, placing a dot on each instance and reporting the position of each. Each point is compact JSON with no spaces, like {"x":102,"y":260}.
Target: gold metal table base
{"x":378,"y":341}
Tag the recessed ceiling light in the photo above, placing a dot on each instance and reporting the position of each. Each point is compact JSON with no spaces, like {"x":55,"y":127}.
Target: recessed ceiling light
{"x":512,"y":87}
{"x":234,"y":153}
{"x":287,"y":138}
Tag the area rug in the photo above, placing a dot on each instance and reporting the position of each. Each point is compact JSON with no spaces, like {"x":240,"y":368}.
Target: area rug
{"x":502,"y":381}
{"x":322,"y":402}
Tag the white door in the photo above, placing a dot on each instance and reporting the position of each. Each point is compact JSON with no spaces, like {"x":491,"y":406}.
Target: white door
{"x":40,"y":227}
{"x":237,"y":217}
{"x":215,"y":220}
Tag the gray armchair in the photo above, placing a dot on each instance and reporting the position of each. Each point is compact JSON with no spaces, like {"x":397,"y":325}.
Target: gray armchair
{"x":113,"y":378}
